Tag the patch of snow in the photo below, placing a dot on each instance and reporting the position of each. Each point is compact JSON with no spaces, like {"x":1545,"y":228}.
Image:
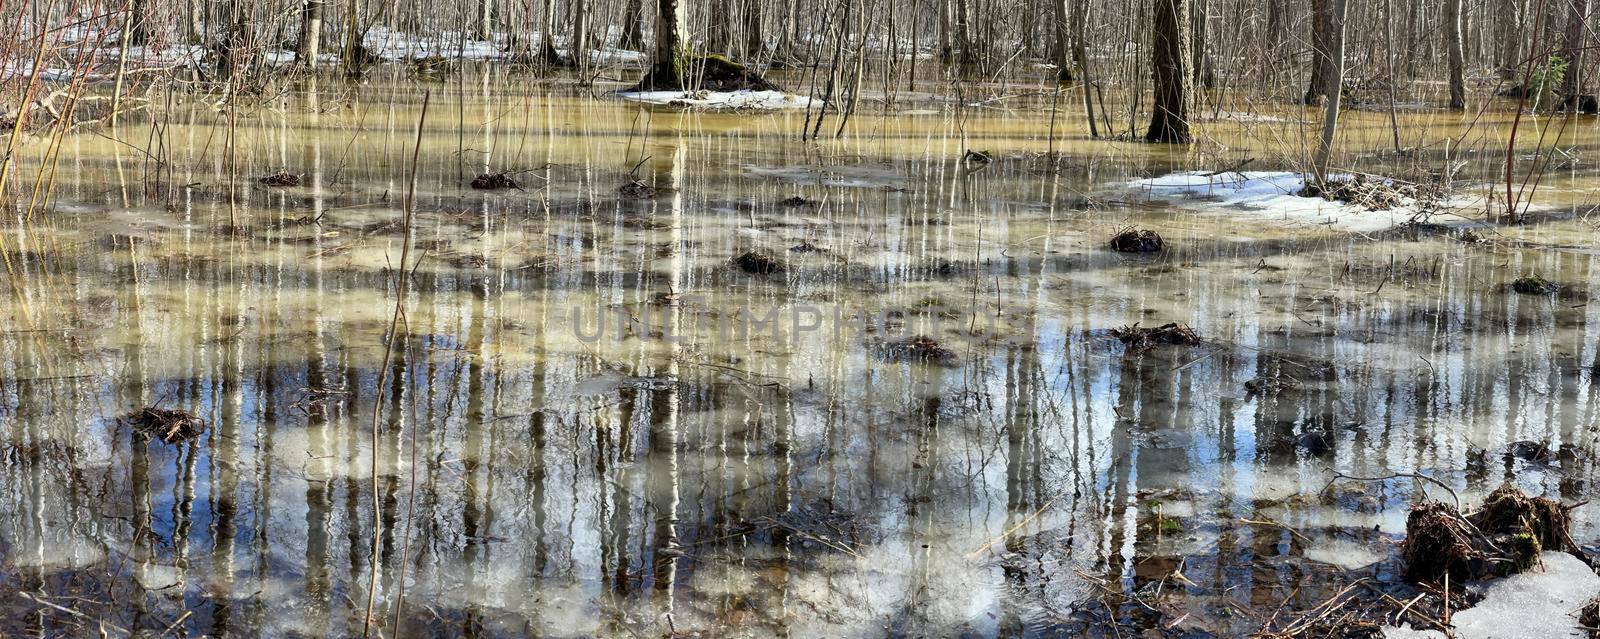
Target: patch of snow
{"x":1343,"y":553}
{"x":1241,"y":116}
{"x":743,"y":99}
{"x":610,"y":55}
{"x":1537,"y":604}
{"x":1407,"y":632}
{"x":1269,"y":196}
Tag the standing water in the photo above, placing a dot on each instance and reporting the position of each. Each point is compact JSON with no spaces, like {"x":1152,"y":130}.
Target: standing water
{"x":691,"y":376}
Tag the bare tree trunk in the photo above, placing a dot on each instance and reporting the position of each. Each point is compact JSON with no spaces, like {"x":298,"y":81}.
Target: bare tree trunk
{"x":1274,"y":28}
{"x":1572,"y":88}
{"x":305,"y":54}
{"x":790,"y":27}
{"x":719,"y":27}
{"x":946,"y":47}
{"x":1452,"y":43}
{"x":961,"y":34}
{"x":137,"y":34}
{"x":631,"y":36}
{"x":753,"y":43}
{"x":1324,"y":41}
{"x":547,"y":35}
{"x":1204,"y":75}
{"x":1064,"y":48}
{"x":669,"y":69}
{"x":1511,"y":36}
{"x":1169,"y":120}
{"x":1330,"y":118}
{"x":578,"y":44}
{"x":1079,"y":52}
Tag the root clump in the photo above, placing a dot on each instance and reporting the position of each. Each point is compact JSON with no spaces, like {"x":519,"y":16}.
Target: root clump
{"x":1137,"y":240}
{"x":1534,"y":285}
{"x":758,"y":263}
{"x":638,"y":190}
{"x":1139,"y":339}
{"x":494,"y":182}
{"x":1375,"y":194}
{"x":918,"y":349}
{"x":1503,"y":537}
{"x":1271,"y":385}
{"x":281,"y":179}
{"x":706,"y":73}
{"x":166,"y":424}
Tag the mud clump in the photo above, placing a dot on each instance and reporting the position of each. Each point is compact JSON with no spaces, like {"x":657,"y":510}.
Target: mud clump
{"x":1139,"y":339}
{"x":758,"y":263}
{"x":1271,"y":385}
{"x":918,"y":349}
{"x":1503,"y":537}
{"x":281,"y":179}
{"x":1534,"y":285}
{"x":638,"y":190}
{"x":706,"y":73}
{"x":1137,"y":240}
{"x":168,"y":425}
{"x":494,"y":182}
{"x":1531,"y":451}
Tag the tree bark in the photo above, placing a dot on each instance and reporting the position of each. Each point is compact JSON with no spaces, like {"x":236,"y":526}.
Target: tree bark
{"x":305,"y":54}
{"x":1169,"y":121}
{"x":1330,"y":118}
{"x":1081,"y":55}
{"x":1063,"y":42}
{"x":1511,"y":36}
{"x":753,"y":44}
{"x":578,"y":45}
{"x":1452,"y":43}
{"x":547,"y":35}
{"x":719,"y":31}
{"x":137,"y":35}
{"x":671,"y":60}
{"x":1324,"y":40}
{"x":632,"y":38}
{"x":946,"y":47}
{"x":1204,"y":75}
{"x":1572,"y":83}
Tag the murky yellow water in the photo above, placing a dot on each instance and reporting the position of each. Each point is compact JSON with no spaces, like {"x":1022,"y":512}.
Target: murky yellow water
{"x":594,"y":424}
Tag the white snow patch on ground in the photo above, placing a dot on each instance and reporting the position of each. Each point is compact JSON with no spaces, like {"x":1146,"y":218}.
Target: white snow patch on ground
{"x":1407,"y":632}
{"x":1538,"y":604}
{"x":1343,"y":553}
{"x":1269,"y":196}
{"x":744,"y":99}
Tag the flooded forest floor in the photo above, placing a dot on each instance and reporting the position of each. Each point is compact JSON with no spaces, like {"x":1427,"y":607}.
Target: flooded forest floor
{"x":667,"y":373}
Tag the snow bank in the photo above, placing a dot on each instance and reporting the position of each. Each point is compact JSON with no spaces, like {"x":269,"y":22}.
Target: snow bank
{"x":1540,"y":603}
{"x":1269,"y":196}
{"x":741,"y":100}
{"x":1537,"y":604}
{"x":388,"y":45}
